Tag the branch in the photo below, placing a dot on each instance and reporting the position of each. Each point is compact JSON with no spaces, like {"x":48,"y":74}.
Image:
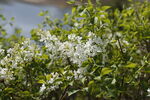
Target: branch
{"x":64,"y":93}
{"x":120,"y":46}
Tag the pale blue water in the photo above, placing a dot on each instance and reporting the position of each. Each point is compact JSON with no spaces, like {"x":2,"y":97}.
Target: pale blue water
{"x":26,"y":15}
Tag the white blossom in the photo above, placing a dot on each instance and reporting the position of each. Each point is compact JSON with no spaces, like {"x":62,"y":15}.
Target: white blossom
{"x":78,"y":74}
{"x":74,"y":49}
{"x":42,"y":88}
{"x":148,"y":90}
{"x":52,"y":84}
{"x":6,"y":75}
{"x":3,"y":72}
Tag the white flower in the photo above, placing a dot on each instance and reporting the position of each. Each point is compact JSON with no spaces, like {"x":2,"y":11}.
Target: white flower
{"x":76,"y":24}
{"x":51,"y":80}
{"x":54,"y":87}
{"x":78,"y":74}
{"x":3,"y":71}
{"x":10,"y":50}
{"x":148,"y":90}
{"x":71,"y":36}
{"x":6,"y":74}
{"x":125,"y":42}
{"x":42,"y":88}
{"x":15,"y":65}
{"x":90,"y":34}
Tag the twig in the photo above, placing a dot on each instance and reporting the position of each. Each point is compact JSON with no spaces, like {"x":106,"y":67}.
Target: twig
{"x":64,"y":93}
{"x":122,"y":85}
{"x":120,"y":46}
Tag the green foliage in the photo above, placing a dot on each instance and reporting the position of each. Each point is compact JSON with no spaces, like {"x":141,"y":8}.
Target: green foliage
{"x":7,"y":40}
{"x":94,"y":53}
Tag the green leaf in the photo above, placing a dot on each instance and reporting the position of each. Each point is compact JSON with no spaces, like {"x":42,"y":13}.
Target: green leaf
{"x":48,"y":77}
{"x":83,"y":13}
{"x":90,"y":59}
{"x":113,"y":81}
{"x":83,"y":80}
{"x":41,"y":82}
{"x":105,"y":71}
{"x":9,"y":90}
{"x":12,"y":18}
{"x":130,"y":0}
{"x":98,"y":78}
{"x":2,"y":17}
{"x":71,"y":2}
{"x":18,"y":30}
{"x":26,"y":93}
{"x":43,"y":13}
{"x":3,"y":33}
{"x":113,"y":41}
{"x":73,"y":10}
{"x":105,"y":7}
{"x":71,"y":83}
{"x":44,"y":56}
{"x":131,"y":65}
{"x":72,"y":92}
{"x":85,"y":89}
{"x":146,"y":37}
{"x":146,"y":69}
{"x":90,"y":83}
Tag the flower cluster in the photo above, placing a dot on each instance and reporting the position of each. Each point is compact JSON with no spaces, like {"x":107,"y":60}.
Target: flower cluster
{"x":74,"y":49}
{"x":53,"y":82}
{"x":6,"y":74}
{"x":17,"y":58}
{"x":25,"y":53}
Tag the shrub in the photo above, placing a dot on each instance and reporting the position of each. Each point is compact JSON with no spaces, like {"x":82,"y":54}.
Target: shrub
{"x":94,"y":53}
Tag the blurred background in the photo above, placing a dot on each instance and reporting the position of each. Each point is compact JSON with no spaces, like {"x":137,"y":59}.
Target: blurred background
{"x":26,"y":12}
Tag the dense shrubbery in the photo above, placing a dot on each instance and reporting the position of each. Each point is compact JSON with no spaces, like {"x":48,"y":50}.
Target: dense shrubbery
{"x":95,"y":53}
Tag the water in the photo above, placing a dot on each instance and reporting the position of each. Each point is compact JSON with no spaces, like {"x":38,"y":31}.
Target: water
{"x":26,"y":15}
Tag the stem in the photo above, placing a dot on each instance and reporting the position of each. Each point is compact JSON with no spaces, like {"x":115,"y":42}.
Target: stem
{"x":120,"y":46}
{"x":122,"y":85}
{"x":64,"y":93}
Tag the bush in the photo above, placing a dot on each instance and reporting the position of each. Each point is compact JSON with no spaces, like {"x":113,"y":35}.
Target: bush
{"x":94,"y":53}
